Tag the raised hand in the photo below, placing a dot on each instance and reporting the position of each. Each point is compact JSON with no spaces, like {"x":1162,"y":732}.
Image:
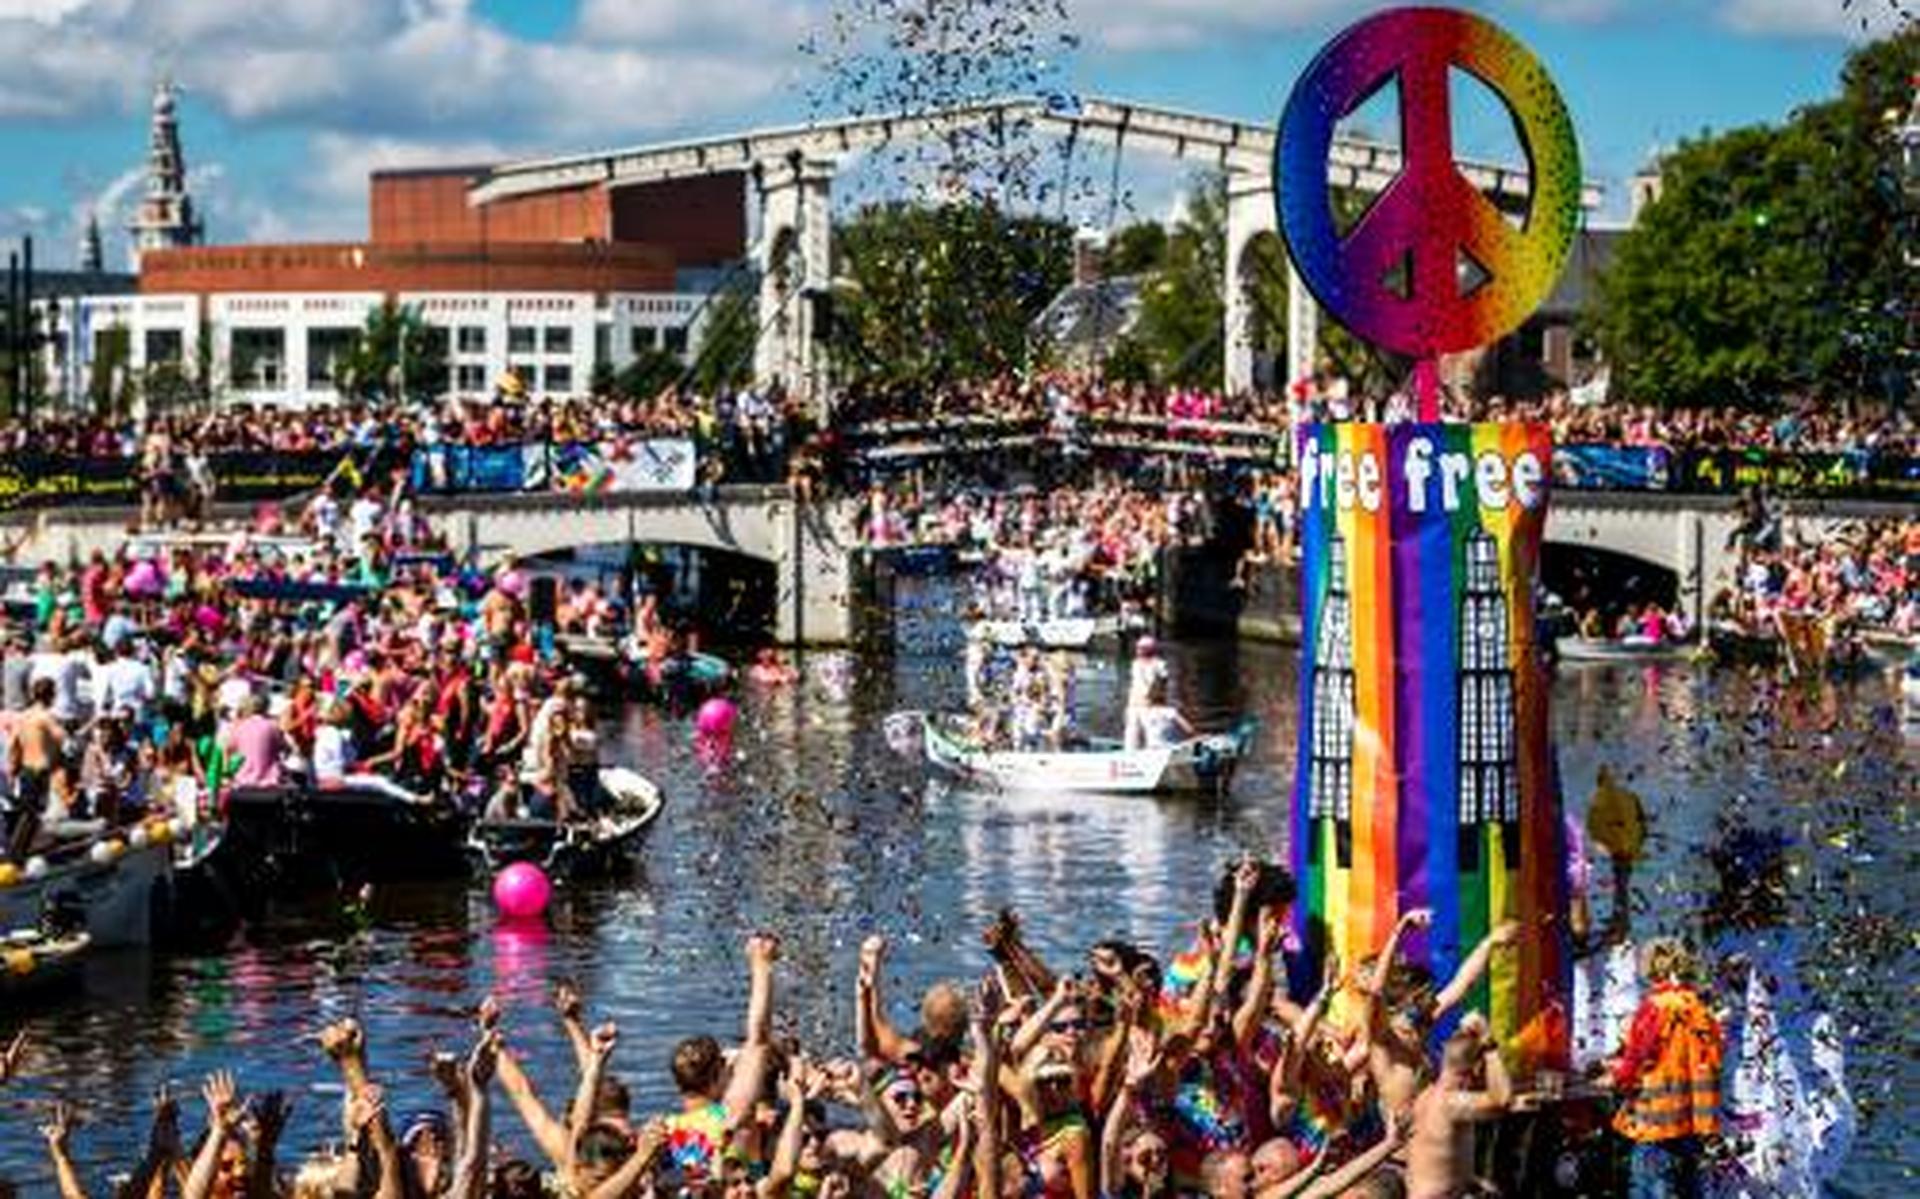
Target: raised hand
{"x":16,"y":1054}
{"x":1271,"y":931}
{"x":58,"y":1129}
{"x":487,"y":1015}
{"x":485,"y":1057}
{"x":793,"y":1084}
{"x":763,"y":949}
{"x":343,"y":1039}
{"x":567,"y":1002}
{"x":1330,"y":973}
{"x":873,"y":954}
{"x":988,"y":1001}
{"x":445,"y":1069}
{"x":223,"y":1113}
{"x":163,"y":1138}
{"x":270,"y":1111}
{"x":602,"y":1040}
{"x":1416,"y":918}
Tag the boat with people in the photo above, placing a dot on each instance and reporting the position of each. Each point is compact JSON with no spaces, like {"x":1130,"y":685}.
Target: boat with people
{"x":34,"y":961}
{"x":1204,"y":763}
{"x":1064,"y":632}
{"x":619,"y":667}
{"x":598,"y":845}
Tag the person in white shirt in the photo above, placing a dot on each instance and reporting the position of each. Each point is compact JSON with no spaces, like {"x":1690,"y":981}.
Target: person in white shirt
{"x":126,"y":683}
{"x":1156,"y":724}
{"x":67,"y":669}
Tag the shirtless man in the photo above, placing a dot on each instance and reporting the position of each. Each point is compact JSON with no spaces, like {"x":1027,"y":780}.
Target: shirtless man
{"x":1399,"y":1018}
{"x":1472,"y":1088}
{"x":39,"y":742}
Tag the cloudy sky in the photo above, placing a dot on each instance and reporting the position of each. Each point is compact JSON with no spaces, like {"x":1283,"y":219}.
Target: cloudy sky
{"x":289,"y":103}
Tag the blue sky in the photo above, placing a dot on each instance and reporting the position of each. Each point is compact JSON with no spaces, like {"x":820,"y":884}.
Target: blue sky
{"x":288,"y":105}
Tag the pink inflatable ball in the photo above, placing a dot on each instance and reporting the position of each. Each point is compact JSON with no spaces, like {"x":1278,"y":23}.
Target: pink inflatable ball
{"x":144,"y":580}
{"x":522,"y":892}
{"x":208,"y":618}
{"x":715,"y":718}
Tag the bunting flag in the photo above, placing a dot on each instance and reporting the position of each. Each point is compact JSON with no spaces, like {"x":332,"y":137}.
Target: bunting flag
{"x":1424,"y":775}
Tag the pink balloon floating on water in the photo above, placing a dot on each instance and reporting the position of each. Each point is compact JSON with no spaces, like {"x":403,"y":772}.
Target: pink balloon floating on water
{"x":521,"y":891}
{"x":715,"y":718}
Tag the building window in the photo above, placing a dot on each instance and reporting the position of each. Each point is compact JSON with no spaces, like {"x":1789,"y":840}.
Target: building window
{"x":1489,"y":782}
{"x":327,"y":352}
{"x":164,"y":345}
{"x":1330,"y":752}
{"x":559,"y":379}
{"x":643,"y":339}
{"x":521,"y":339}
{"x":471,"y":378}
{"x":674,"y":338}
{"x":473,"y":339}
{"x":257,"y":360}
{"x":559,"y":339}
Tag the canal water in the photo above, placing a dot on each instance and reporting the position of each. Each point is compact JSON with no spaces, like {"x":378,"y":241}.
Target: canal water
{"x":815,"y":829}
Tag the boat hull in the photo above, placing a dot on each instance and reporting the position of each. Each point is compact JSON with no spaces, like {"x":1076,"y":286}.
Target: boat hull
{"x":1069,"y":633}
{"x":1581,"y":649}
{"x":599,"y":848}
{"x":115,"y":899}
{"x":291,"y":839}
{"x":1202,"y":764}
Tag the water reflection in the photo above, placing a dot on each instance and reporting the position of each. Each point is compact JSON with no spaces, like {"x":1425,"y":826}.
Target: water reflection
{"x":812,"y":827}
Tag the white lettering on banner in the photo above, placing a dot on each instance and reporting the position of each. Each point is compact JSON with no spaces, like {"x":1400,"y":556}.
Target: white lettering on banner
{"x":1346,"y":480}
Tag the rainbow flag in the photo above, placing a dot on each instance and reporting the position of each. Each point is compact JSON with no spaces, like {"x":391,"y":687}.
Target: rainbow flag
{"x":1424,"y":776}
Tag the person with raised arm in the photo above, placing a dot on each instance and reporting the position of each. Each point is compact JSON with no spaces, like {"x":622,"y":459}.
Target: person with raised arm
{"x":716,"y":1103}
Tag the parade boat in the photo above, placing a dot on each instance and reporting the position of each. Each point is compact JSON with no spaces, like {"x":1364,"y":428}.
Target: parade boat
{"x":1070,"y":632}
{"x":1201,"y":764}
{"x":596,"y":847}
{"x":299,"y":837}
{"x":613,"y":669}
{"x":1623,"y":649}
{"x":105,"y":886}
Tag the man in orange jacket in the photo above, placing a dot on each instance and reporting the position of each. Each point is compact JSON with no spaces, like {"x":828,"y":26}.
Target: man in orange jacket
{"x":1668,"y":1078}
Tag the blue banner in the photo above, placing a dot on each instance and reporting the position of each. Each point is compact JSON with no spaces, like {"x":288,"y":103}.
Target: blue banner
{"x":1611,"y":467}
{"x":478,"y":467}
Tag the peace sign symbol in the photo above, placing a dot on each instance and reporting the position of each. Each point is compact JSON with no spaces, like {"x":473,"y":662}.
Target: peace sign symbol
{"x":1429,"y":216}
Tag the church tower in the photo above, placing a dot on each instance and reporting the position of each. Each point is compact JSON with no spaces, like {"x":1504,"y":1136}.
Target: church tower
{"x":165,"y":218}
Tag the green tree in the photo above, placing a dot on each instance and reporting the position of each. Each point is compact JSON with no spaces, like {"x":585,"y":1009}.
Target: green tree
{"x":1773,"y":260}
{"x":1136,"y":249}
{"x":943,"y":293}
{"x":727,"y":344}
{"x":167,"y":388}
{"x":396,"y":353}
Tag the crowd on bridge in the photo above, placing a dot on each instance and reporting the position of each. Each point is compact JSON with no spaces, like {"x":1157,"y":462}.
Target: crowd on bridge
{"x":1232,"y":1066}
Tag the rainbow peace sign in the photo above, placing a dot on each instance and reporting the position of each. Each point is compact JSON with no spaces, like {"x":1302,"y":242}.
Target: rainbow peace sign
{"x":1430,"y":214}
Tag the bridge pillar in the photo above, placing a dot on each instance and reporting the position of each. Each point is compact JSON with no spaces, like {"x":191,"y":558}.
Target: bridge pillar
{"x":1250,"y":212}
{"x":1303,"y":330}
{"x":795,"y":254}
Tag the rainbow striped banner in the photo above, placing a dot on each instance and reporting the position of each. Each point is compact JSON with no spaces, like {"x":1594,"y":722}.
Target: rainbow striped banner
{"x":1424,"y":775}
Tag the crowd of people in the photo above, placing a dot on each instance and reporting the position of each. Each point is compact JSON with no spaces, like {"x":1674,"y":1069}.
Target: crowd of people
{"x":1123,"y":1073}
{"x":1788,"y":587}
{"x":333,"y":646}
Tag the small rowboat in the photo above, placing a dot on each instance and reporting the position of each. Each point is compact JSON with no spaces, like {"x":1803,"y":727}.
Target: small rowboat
{"x":32,"y":961}
{"x":1075,"y":632}
{"x":598,"y":846}
{"x":1103,"y":767}
{"x":1625,"y":649}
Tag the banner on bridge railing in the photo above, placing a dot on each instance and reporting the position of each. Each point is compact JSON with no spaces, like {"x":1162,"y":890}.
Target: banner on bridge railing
{"x":1859,"y":475}
{"x":617,"y":467}
{"x":1611,"y":467}
{"x":32,"y":480}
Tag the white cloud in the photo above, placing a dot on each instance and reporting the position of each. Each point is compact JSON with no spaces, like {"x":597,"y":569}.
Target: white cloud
{"x":1859,"y":19}
{"x":681,"y":22}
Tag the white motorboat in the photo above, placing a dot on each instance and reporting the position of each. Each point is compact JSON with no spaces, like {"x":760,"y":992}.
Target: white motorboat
{"x":1067,"y":632}
{"x":1623,"y":649}
{"x":1205,"y":763}
{"x":108,"y":885}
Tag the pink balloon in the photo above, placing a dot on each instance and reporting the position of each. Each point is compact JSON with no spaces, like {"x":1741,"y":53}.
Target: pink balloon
{"x":144,"y":581}
{"x":208,"y":618}
{"x":716,"y":717}
{"x":522,"y":891}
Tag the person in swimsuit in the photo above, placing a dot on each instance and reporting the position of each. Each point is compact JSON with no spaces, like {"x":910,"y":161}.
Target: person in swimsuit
{"x":38,"y":748}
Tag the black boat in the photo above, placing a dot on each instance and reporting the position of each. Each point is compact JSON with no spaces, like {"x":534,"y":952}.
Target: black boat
{"x":600,"y":846}
{"x":285,"y":840}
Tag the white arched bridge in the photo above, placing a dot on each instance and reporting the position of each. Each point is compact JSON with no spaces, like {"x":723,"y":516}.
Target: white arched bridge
{"x":793,"y":169}
{"x":815,"y":548}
